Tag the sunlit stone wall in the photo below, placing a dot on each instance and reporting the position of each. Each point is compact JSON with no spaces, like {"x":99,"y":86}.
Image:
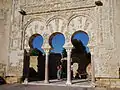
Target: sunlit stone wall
{"x":5,"y":16}
{"x":45,"y":17}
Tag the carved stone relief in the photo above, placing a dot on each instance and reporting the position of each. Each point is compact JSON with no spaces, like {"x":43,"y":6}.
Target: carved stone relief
{"x":72,"y":19}
{"x":51,"y":5}
{"x":35,"y":27}
{"x":105,"y":42}
{"x":106,"y":24}
{"x":53,"y":23}
{"x":59,"y":24}
{"x":16,"y":63}
{"x":83,"y":23}
{"x":15,"y":59}
{"x":15,"y":30}
{"x":56,"y":25}
{"x":45,"y":2}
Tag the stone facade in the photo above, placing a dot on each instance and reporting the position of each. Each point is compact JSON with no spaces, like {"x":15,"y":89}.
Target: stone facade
{"x":46,"y":17}
{"x":5,"y":16}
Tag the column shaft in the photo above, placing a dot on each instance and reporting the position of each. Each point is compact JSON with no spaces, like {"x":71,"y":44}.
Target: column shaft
{"x":69,"y":67}
{"x":46,"y":68}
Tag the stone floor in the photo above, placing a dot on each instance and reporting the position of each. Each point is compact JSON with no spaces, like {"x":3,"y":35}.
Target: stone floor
{"x":48,"y":87}
{"x":75,"y":83}
{"x":81,"y":84}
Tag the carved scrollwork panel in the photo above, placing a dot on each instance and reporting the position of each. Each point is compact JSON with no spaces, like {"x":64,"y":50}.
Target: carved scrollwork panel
{"x":56,"y":24}
{"x":82,"y":23}
{"x":105,"y":65}
{"x":35,"y":27}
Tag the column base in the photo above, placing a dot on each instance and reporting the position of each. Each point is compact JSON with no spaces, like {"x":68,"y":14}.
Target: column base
{"x":46,"y":81}
{"x":93,"y":84}
{"x":26,"y":81}
{"x":68,"y":83}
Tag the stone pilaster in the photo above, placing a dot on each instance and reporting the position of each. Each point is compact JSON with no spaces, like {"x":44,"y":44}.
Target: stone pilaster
{"x":92,"y":65}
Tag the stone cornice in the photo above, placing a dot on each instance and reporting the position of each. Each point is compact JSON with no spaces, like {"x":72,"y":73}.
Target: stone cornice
{"x":54,"y":7}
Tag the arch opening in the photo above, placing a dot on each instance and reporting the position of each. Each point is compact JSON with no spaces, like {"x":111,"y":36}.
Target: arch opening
{"x":34,"y":59}
{"x":56,"y":42}
{"x":80,"y":55}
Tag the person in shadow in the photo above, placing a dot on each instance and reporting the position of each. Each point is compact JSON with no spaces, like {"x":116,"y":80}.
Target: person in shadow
{"x":59,"y":72}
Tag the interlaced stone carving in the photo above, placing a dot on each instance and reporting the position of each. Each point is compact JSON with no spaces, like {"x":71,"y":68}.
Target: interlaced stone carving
{"x":81,"y":23}
{"x":35,"y":27}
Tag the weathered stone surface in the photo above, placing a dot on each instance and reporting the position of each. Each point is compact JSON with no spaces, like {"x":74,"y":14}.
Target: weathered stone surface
{"x":2,"y":69}
{"x":45,"y":17}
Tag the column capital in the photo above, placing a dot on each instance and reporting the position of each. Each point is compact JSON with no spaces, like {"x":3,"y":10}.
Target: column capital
{"x":46,"y":49}
{"x":68,"y":46}
{"x":68,"y":49}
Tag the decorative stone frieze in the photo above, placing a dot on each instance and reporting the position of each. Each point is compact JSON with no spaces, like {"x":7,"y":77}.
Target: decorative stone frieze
{"x":46,"y":6}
